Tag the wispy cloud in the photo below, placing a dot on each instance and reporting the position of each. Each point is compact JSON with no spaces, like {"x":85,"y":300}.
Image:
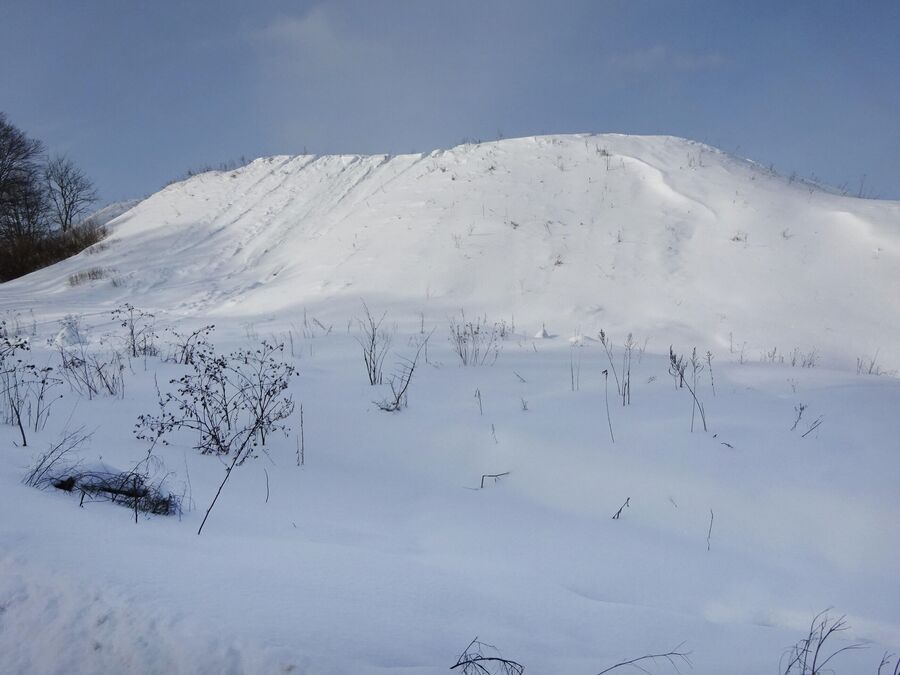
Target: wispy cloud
{"x":315,"y":42}
{"x":661,"y":58}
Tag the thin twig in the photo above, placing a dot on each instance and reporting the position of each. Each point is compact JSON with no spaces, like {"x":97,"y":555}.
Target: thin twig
{"x":799,"y":410}
{"x":815,"y":425}
{"x":302,"y":447}
{"x":668,"y":656}
{"x":495,"y":476}
{"x":470,"y":661}
{"x":608,"y":418}
{"x":618,"y":513}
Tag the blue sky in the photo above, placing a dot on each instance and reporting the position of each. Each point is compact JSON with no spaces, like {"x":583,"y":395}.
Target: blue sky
{"x":138,"y":92}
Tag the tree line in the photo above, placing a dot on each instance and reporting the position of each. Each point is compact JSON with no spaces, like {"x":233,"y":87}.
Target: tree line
{"x":44,"y":201}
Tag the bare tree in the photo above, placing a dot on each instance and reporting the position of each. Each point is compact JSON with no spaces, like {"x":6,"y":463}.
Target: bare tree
{"x":30,"y":201}
{"x":20,"y":194}
{"x":23,"y":208}
{"x":18,"y":153}
{"x":69,"y":191}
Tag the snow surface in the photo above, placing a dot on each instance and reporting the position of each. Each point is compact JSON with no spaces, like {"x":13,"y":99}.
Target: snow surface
{"x":382,"y":554}
{"x":112,"y":211}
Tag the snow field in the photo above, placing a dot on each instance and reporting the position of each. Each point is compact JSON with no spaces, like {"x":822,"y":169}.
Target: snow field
{"x":381,"y":554}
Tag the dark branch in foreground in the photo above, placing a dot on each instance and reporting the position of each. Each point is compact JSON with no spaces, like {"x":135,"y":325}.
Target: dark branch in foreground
{"x":810,"y":655}
{"x":886,"y":661}
{"x":672,"y":657}
{"x":474,"y":662}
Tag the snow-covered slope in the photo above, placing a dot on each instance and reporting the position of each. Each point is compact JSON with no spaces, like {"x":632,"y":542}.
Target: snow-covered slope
{"x":389,"y":545}
{"x":112,"y":211}
{"x":658,"y":235}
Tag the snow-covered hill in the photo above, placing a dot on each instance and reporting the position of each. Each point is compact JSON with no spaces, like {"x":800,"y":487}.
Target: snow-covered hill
{"x":370,"y":542}
{"x":658,"y":235}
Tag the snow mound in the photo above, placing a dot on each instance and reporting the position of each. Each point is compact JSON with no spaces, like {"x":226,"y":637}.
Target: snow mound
{"x":644,"y":234}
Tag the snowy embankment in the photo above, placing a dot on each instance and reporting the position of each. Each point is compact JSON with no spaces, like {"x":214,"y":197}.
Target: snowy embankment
{"x":383,"y":552}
